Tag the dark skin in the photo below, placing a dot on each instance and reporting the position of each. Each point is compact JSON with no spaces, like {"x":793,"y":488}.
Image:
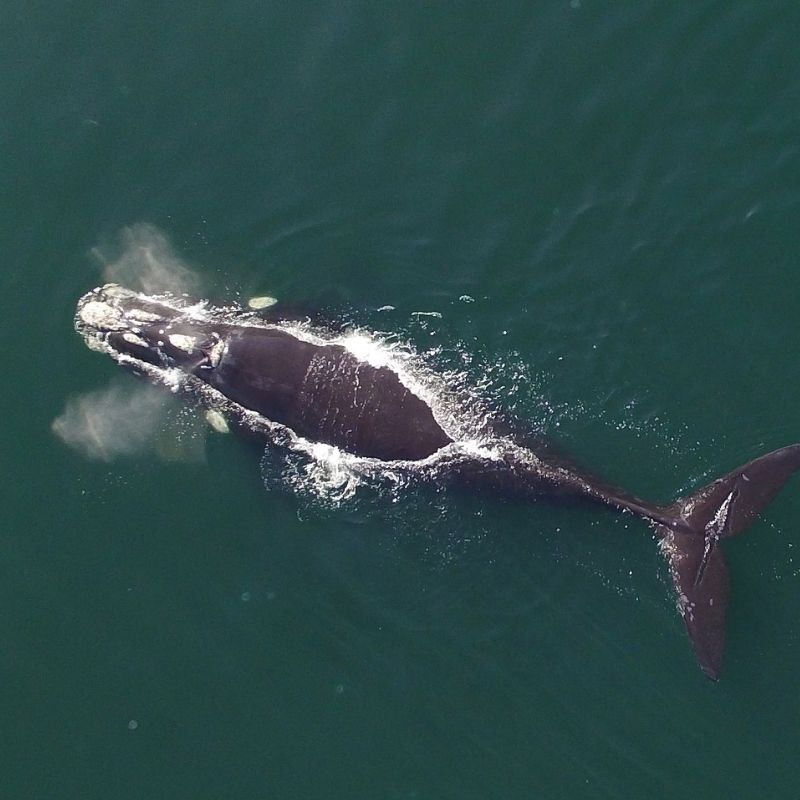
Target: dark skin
{"x":325,"y":394}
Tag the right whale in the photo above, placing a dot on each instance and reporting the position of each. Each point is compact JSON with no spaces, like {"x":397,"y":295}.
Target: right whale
{"x":298,"y":387}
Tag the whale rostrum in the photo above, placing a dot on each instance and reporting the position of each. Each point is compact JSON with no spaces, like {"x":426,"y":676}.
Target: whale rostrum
{"x":298,"y":386}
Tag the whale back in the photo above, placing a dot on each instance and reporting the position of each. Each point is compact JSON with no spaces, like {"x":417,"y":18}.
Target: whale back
{"x":325,"y":394}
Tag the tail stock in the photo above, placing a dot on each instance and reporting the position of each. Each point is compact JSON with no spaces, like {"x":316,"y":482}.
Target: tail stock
{"x":690,"y":542}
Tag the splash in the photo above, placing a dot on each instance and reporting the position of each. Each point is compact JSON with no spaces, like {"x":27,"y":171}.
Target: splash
{"x":145,"y":260}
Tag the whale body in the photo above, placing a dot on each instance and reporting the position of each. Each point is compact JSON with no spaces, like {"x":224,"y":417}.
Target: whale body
{"x":296,"y":387}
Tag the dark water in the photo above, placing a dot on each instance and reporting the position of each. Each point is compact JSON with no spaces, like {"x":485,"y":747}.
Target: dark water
{"x":616,"y":188}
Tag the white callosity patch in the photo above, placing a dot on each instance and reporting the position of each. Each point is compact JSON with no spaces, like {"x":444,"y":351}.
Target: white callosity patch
{"x":182,"y":342}
{"x":139,"y":315}
{"x":132,"y":338}
{"x":96,"y":344}
{"x":102,"y":316}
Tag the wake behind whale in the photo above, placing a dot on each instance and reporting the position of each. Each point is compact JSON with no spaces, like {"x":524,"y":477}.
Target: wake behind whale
{"x":341,"y":399}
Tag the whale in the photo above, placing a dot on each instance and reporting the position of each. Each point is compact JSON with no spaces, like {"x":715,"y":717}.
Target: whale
{"x":290,"y":381}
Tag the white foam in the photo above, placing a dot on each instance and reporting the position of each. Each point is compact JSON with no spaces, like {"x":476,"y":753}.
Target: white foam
{"x":366,"y":349}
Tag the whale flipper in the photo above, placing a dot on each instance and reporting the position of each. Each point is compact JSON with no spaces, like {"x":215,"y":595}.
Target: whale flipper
{"x":723,"y":508}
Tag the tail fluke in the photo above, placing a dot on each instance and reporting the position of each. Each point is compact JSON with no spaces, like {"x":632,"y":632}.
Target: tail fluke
{"x":722,"y":509}
{"x":701,"y":582}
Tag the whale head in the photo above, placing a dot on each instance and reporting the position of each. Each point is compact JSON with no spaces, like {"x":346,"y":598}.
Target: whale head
{"x":154,"y":333}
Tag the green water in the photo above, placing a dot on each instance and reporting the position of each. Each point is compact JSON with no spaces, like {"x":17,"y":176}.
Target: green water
{"x":617,"y":186}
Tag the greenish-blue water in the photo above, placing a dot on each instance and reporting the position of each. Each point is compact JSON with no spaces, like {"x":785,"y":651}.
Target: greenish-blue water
{"x":617,"y":187}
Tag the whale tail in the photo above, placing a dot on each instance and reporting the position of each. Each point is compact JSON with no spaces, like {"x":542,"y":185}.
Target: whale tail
{"x":720,"y":510}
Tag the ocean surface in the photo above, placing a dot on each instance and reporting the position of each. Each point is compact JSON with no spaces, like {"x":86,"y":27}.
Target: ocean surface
{"x":585,"y":214}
